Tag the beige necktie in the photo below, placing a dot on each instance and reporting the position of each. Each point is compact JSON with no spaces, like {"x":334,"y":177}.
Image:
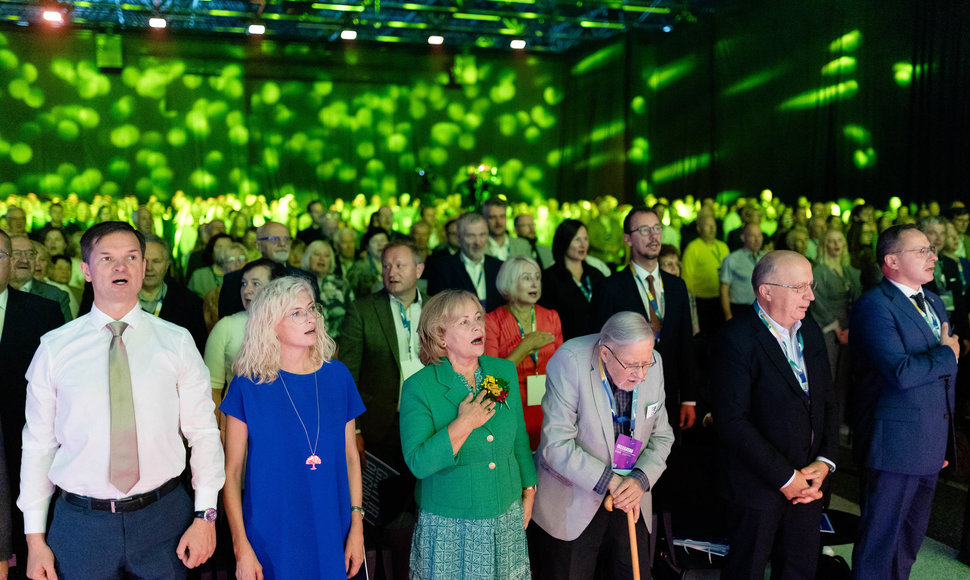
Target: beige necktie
{"x":123,"y":466}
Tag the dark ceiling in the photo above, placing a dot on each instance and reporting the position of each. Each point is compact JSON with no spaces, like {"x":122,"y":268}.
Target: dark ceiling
{"x":545,"y":25}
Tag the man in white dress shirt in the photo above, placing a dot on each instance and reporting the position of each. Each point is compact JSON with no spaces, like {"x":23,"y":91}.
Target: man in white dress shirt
{"x":105,"y":526}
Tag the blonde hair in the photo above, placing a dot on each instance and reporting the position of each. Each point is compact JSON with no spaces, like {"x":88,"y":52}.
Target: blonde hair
{"x":823,"y":255}
{"x":259,"y":356}
{"x":437,"y":314}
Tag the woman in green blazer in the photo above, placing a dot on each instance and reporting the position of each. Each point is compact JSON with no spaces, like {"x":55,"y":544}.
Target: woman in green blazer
{"x":464,"y":438}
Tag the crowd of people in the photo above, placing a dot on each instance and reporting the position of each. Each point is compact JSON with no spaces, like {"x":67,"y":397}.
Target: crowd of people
{"x":506,"y":379}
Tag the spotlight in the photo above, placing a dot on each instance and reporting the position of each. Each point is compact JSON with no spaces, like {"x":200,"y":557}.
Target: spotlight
{"x":157,"y":23}
{"x":436,"y":39}
{"x":257,"y":29}
{"x":348,"y":34}
{"x":53,"y":17}
{"x":517,"y":44}
{"x":667,"y":28}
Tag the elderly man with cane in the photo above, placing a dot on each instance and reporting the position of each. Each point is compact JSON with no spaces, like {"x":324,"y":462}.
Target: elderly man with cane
{"x":604,"y":431}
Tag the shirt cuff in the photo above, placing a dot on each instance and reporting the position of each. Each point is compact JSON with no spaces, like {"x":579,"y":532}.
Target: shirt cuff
{"x":826,"y":461}
{"x":689,"y":403}
{"x":641,"y":477}
{"x":35,"y":521}
{"x":790,"y":479}
{"x":603,"y":485}
{"x":205,"y":499}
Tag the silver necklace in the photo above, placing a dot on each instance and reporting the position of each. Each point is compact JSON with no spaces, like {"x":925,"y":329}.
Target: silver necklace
{"x":313,"y":460}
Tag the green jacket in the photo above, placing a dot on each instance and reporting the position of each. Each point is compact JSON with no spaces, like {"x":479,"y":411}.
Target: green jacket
{"x":494,"y":463}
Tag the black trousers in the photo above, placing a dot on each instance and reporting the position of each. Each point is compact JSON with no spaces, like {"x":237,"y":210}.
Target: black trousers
{"x":788,"y":537}
{"x":605,"y":535}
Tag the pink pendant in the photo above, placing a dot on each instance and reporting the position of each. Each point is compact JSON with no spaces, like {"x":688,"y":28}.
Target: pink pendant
{"x":313,"y":461}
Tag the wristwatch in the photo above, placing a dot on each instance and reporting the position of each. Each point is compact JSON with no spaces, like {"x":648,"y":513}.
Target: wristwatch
{"x":208,"y":515}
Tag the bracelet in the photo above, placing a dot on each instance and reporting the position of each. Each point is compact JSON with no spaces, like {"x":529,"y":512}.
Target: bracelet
{"x":358,"y":509}
{"x":533,"y":487}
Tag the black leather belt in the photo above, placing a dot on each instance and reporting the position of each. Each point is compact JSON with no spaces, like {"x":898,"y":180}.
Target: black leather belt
{"x":127,"y":504}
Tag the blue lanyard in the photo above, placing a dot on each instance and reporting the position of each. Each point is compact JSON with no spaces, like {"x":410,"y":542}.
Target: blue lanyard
{"x":930,"y":317}
{"x":609,"y":394}
{"x":799,"y":354}
{"x":406,"y":323}
{"x":586,"y":287}
{"x":534,"y":355}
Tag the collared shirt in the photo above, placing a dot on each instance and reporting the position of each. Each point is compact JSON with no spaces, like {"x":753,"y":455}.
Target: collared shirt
{"x":658,"y":287}
{"x":789,"y":340}
{"x":4,"y":296}
{"x":498,"y":251}
{"x":736,"y":271}
{"x":406,"y":326}
{"x":154,"y":306}
{"x":624,"y":404}
{"x":700,"y":265}
{"x":27,"y":286}
{"x":930,"y":315}
{"x":67,"y":437}
{"x":476,"y":271}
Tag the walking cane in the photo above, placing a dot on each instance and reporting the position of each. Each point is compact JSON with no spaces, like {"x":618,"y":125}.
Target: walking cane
{"x":631,"y":526}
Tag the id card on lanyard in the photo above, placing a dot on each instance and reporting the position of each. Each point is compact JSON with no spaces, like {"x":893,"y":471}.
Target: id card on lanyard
{"x":624,"y":446}
{"x":535,"y":384}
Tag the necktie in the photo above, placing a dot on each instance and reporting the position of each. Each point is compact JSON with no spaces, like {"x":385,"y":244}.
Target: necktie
{"x":123,"y":465}
{"x":920,"y":301}
{"x":654,"y":317}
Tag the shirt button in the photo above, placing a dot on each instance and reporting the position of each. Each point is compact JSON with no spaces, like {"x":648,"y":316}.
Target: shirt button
{"x":491,"y":465}
{"x":490,"y":438}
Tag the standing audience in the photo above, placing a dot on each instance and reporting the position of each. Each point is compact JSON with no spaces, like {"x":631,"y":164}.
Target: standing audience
{"x":570,"y":282}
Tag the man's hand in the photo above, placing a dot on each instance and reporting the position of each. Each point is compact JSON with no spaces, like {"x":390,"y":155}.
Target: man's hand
{"x":197,"y":543}
{"x":800,"y":490}
{"x":40,"y":559}
{"x":626,"y":492}
{"x":4,"y":568}
{"x":688,"y":414}
{"x":842,"y":336}
{"x":815,"y":473}
{"x":952,"y":341}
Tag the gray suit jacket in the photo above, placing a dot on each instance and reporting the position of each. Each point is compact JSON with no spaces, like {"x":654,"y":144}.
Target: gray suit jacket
{"x":577,"y":438}
{"x":45,"y":290}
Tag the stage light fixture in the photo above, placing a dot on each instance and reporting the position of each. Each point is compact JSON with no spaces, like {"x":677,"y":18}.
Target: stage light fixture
{"x":157,"y":22}
{"x":436,"y":39}
{"x":667,"y":28}
{"x":517,"y":44}
{"x":257,"y":29}
{"x":53,"y":17}
{"x":348,"y":34}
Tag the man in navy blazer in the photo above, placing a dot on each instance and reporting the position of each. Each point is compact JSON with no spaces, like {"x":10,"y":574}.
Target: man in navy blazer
{"x":777,"y":426}
{"x":470,"y":269}
{"x":623,"y":291}
{"x":906,"y":362}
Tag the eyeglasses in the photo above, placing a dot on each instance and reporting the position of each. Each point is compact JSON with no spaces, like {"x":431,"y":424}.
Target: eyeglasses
{"x":923,"y":252}
{"x":20,"y":254}
{"x":647,"y":230}
{"x":276,"y":239}
{"x":298,"y":315}
{"x":531,"y":277}
{"x":3,"y":255}
{"x":800,"y":288}
{"x":630,"y":367}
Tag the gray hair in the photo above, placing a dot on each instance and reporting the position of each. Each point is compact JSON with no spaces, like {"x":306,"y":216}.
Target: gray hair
{"x":467,"y":219}
{"x":625,"y":328}
{"x":768,"y":264}
{"x":925,"y":223}
{"x":510,"y":272}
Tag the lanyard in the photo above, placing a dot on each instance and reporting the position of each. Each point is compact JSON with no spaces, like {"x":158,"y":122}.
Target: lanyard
{"x":586,"y":287}
{"x":609,"y":393}
{"x":534,"y":355}
{"x":653,"y":299}
{"x":799,"y":353}
{"x":930,"y":318}
{"x":405,"y":323}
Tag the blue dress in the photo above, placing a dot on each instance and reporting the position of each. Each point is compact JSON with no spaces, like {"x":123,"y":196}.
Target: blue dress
{"x":297,"y":518}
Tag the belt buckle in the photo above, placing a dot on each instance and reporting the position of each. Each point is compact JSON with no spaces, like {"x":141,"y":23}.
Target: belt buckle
{"x":112,"y":506}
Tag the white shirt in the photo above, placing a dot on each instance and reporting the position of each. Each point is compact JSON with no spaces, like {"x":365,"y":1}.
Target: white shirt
{"x":498,"y":251}
{"x":642,"y":287}
{"x":934,"y":321}
{"x":476,"y":271}
{"x":67,"y":437}
{"x":408,"y":341}
{"x":4,"y":296}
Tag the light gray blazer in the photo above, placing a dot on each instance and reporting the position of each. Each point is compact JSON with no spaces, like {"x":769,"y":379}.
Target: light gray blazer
{"x":577,"y":438}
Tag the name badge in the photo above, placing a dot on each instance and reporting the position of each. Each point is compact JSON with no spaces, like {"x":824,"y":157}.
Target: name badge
{"x":653,"y":408}
{"x":535,"y":387}
{"x":625,"y":454}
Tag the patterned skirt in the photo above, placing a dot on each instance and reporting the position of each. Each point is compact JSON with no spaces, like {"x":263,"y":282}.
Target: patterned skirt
{"x":460,"y":549}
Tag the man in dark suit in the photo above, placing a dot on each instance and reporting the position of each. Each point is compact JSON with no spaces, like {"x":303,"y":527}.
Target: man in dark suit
{"x":24,"y":260}
{"x":470,"y":269}
{"x":317,"y":213}
{"x":274,"y":243}
{"x":379,"y":343}
{"x":906,"y":363}
{"x":777,"y":426}
{"x":6,"y":530}
{"x":662,"y":300}
{"x":24,"y":318}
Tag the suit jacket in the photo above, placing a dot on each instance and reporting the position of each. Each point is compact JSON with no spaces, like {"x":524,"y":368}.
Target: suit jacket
{"x":27,"y":318}
{"x":369,"y":348}
{"x":494,"y":463}
{"x":767,"y":426}
{"x":560,"y":293}
{"x":230,"y":302}
{"x":900,"y":393}
{"x":45,"y":290}
{"x":619,"y":293}
{"x":449,"y":274}
{"x":578,"y":440}
{"x":6,"y":523}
